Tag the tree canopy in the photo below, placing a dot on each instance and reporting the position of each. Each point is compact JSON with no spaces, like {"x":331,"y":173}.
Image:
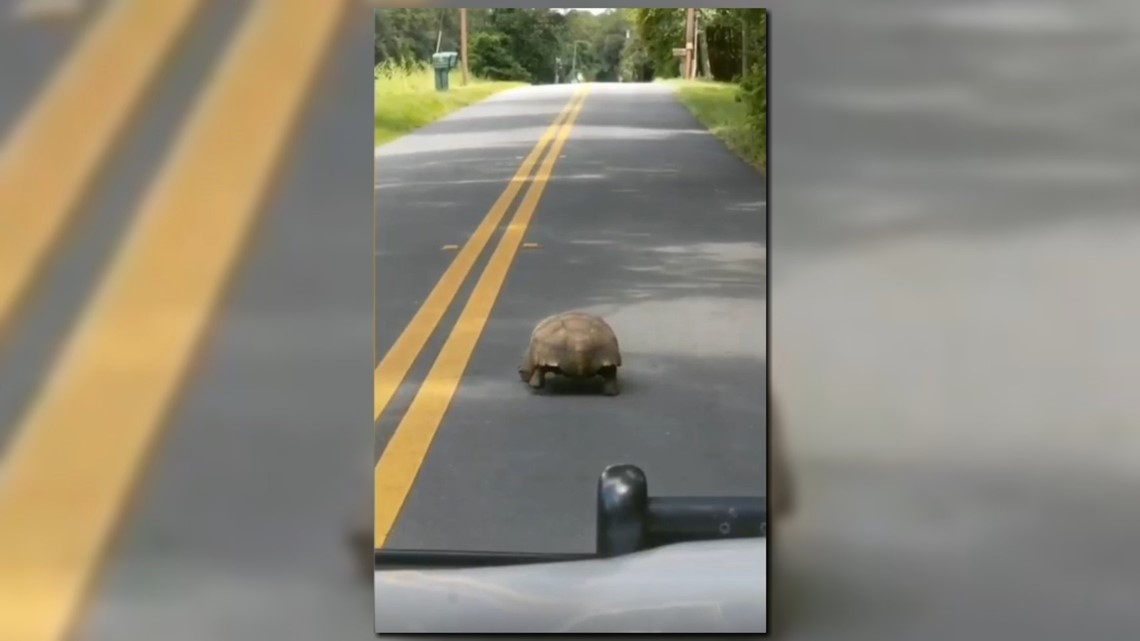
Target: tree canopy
{"x":547,"y":45}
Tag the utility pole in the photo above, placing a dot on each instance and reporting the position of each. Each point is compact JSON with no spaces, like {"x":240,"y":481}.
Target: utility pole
{"x":439,"y":33}
{"x":463,"y":44}
{"x":696,"y":46}
{"x":703,"y":49}
{"x":690,"y":46}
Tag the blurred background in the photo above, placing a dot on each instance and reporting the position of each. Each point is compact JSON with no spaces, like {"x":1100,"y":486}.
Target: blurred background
{"x":185,"y":317}
{"x":954,"y":239}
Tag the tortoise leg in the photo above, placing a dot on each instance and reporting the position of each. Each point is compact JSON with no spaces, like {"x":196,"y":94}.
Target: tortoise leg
{"x":538,"y":378}
{"x":610,"y":385}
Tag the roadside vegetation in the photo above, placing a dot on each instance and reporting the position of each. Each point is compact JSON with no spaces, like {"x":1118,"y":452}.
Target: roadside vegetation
{"x":716,"y":106}
{"x":406,"y":98}
{"x":513,"y":47}
{"x":730,"y":96}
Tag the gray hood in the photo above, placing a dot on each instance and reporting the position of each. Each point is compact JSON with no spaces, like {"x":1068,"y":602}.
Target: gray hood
{"x":709,"y":587}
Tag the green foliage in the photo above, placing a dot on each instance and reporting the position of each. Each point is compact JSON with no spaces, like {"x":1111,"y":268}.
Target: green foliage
{"x":406,"y":98}
{"x":491,"y":58}
{"x":403,"y":34}
{"x":636,"y":65}
{"x":544,"y":46}
{"x":660,"y":31}
{"x":531,"y":36}
{"x":754,"y":84}
{"x":724,"y":29}
{"x":736,"y":41}
{"x":717,"y":105}
{"x":536,"y":45}
{"x":397,"y":68}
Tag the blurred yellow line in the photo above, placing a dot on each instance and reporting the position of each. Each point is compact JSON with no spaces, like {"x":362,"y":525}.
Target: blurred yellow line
{"x":404,"y":455}
{"x":390,"y":373}
{"x":80,"y":450}
{"x":55,"y":152}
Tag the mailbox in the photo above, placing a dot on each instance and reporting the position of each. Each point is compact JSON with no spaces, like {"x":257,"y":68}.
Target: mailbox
{"x":443,"y":62}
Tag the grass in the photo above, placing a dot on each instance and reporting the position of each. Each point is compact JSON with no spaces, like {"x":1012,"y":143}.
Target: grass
{"x":714,"y":105}
{"x":407,"y":100}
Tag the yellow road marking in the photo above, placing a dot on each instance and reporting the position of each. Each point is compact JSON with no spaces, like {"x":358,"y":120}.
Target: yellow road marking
{"x":375,"y":253}
{"x":405,"y":453}
{"x":80,"y":449}
{"x":390,"y":373}
{"x":52,"y":155}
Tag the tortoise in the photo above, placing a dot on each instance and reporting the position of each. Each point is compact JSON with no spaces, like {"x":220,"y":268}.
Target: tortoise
{"x":572,"y":344}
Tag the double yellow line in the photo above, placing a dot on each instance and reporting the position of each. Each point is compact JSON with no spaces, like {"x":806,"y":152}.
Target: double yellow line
{"x":401,"y":460}
{"x":79,"y":450}
{"x":55,"y":152}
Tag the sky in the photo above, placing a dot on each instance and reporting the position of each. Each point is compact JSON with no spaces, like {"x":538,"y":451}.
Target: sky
{"x":593,"y":11}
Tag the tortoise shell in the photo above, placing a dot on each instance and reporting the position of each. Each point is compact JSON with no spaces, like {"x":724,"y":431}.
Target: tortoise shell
{"x":573,"y":344}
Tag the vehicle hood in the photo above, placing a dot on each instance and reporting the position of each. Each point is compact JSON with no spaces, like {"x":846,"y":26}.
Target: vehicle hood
{"x":709,"y":587}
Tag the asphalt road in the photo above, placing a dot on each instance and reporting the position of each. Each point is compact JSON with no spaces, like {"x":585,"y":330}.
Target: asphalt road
{"x":647,"y":220}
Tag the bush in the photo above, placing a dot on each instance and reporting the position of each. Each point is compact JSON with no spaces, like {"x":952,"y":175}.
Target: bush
{"x":754,"y":84}
{"x":491,"y":59}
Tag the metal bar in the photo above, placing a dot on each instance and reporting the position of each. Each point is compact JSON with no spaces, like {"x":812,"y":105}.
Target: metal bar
{"x":682,"y":519}
{"x":458,"y":559}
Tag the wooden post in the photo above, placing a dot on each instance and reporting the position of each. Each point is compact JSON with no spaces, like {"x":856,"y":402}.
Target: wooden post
{"x":439,"y":37}
{"x":690,"y":46}
{"x":696,"y":45}
{"x":703,"y":49}
{"x":463,"y":44}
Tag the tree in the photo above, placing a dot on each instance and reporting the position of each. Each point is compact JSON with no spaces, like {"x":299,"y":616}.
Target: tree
{"x":636,"y":65}
{"x":754,"y":84}
{"x":539,"y":45}
{"x":722,"y":49}
{"x":403,"y":34}
{"x":660,"y":31}
{"x":490,"y":58}
{"x":532,"y":37}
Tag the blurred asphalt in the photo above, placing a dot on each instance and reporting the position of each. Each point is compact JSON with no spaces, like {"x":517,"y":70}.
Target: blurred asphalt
{"x":238,"y":530}
{"x":650,"y":222}
{"x":954,"y":257}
